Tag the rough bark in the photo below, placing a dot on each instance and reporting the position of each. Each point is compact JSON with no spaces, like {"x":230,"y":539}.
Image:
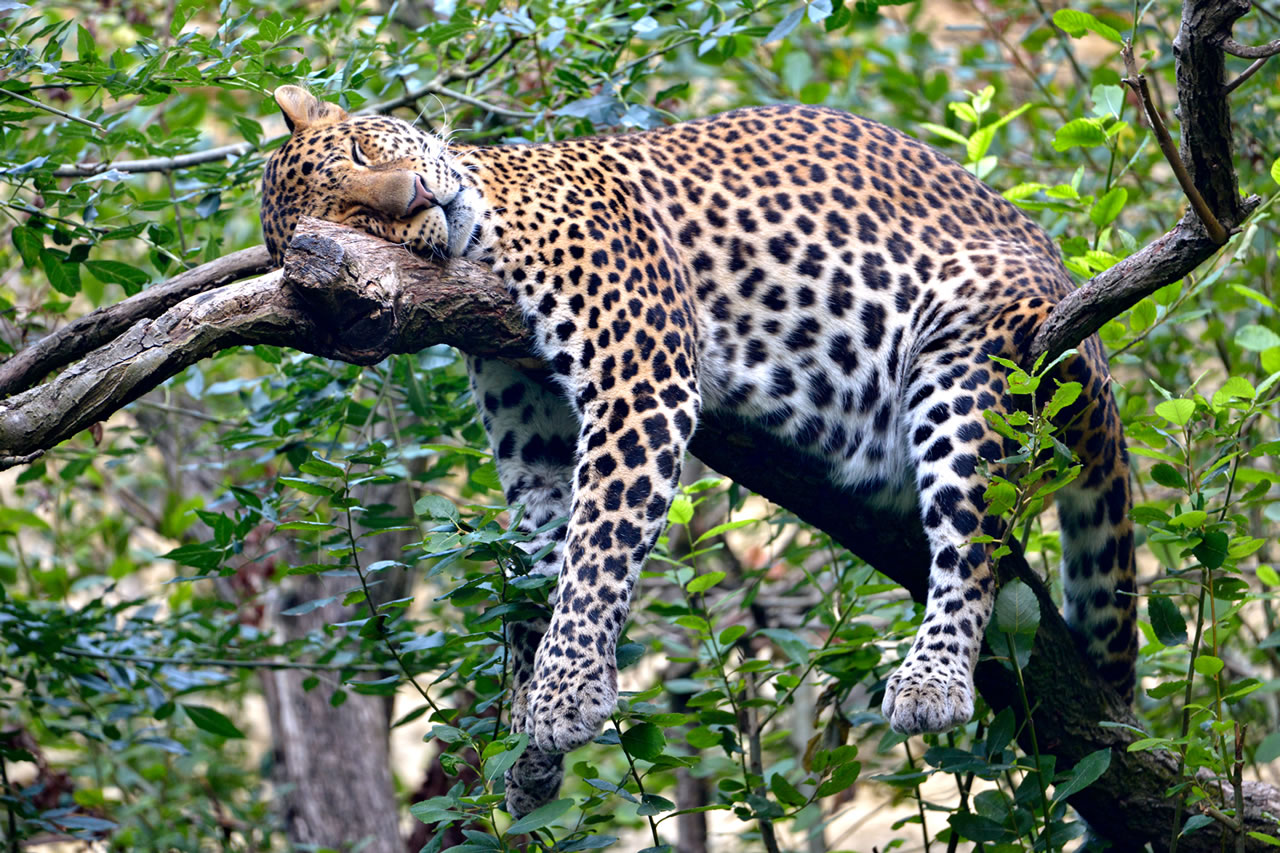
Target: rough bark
{"x":331,"y":763}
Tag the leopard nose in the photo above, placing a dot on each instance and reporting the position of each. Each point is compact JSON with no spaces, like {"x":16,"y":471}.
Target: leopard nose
{"x":422,"y":197}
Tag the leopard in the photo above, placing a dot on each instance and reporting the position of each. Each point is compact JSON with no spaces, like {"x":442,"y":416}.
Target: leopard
{"x":823,"y":277}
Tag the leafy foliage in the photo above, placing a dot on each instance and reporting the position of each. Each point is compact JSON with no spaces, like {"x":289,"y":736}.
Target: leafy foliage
{"x":134,"y":136}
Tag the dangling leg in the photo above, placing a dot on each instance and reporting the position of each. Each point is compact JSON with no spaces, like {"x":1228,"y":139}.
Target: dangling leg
{"x":532,"y":431}
{"x":932,"y":690}
{"x":630,"y":451}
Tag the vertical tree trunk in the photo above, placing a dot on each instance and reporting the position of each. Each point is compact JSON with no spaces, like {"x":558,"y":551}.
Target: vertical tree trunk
{"x":333,"y":762}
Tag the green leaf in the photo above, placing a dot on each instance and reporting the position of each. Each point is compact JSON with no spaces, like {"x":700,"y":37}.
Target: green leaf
{"x":1269,"y":749}
{"x":977,"y":828}
{"x":786,"y":793}
{"x":318,"y":466}
{"x":130,"y":278}
{"x":435,"y":506}
{"x":1168,"y":476}
{"x":681,"y":511}
{"x":1212,"y":550}
{"x":1166,"y":620}
{"x":1065,"y":394}
{"x":497,"y":763}
{"x":1107,"y":208}
{"x":1108,"y":100}
{"x":1176,"y":411}
{"x":1085,"y":773}
{"x":1256,"y":338}
{"x":1076,"y":23}
{"x":63,"y":275}
{"x":791,"y":643}
{"x":1208,"y":665}
{"x":1017,"y":609}
{"x":702,"y":583}
{"x":1166,"y":689}
{"x":209,"y":720}
{"x":644,"y":741}
{"x":541,"y":817}
{"x":1196,"y":821}
{"x":785,"y":26}
{"x":29,"y":244}
{"x":1275,"y":171}
{"x":1085,"y":132}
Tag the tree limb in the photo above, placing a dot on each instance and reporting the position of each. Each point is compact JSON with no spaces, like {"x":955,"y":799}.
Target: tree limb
{"x":155,"y":164}
{"x":1206,"y":152}
{"x":1245,"y":51}
{"x":347,"y":295}
{"x":83,"y":335}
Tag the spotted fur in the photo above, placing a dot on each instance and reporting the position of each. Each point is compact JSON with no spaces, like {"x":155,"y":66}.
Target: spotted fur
{"x":828,"y":278}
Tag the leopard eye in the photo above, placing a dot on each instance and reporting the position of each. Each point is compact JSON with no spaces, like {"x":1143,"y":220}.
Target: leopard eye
{"x":357,"y":156}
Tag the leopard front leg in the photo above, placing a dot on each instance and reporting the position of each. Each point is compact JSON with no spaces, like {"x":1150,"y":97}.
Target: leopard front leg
{"x":532,"y":431}
{"x":630,"y":451}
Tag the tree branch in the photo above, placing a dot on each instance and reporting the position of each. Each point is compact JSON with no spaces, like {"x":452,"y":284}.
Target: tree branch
{"x":83,"y":335}
{"x":349,"y":296}
{"x":1245,"y":51}
{"x":1206,"y":153}
{"x":155,"y":164}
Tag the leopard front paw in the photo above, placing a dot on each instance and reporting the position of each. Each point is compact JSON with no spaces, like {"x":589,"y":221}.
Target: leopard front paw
{"x":569,"y":701}
{"x":917,"y":702}
{"x":533,"y":781}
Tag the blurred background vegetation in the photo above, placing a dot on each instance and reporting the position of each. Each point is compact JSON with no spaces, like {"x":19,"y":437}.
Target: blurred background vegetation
{"x":269,"y":513}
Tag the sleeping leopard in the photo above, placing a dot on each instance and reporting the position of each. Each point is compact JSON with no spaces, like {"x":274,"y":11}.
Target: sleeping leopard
{"x":825,"y":277}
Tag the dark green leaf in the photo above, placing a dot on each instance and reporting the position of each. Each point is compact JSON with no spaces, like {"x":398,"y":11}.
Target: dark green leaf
{"x":643,"y":741}
{"x":1087,"y":771}
{"x":209,"y":720}
{"x":1166,"y":620}
{"x":541,"y":817}
{"x":1212,"y":550}
{"x":1017,"y":609}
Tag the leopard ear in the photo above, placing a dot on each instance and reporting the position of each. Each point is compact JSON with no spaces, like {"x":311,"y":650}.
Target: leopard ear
{"x":303,"y":110}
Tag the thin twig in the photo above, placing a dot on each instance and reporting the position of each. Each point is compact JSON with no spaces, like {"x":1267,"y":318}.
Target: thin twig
{"x":1230,"y":87}
{"x":55,"y":111}
{"x":455,"y":75}
{"x":380,"y":622}
{"x":155,"y":164}
{"x":434,"y":88}
{"x":1237,"y":784}
{"x":1138,"y":83}
{"x":635,"y":774}
{"x":225,"y":663}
